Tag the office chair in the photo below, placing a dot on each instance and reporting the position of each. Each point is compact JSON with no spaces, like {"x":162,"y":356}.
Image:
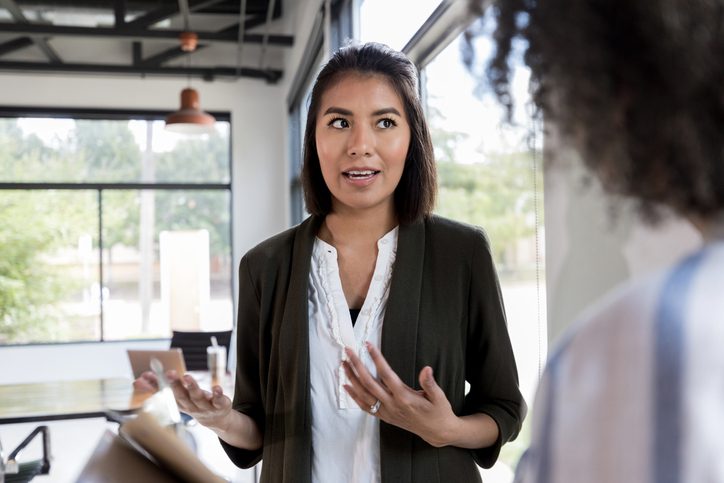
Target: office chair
{"x":16,"y":472}
{"x":194,"y":344}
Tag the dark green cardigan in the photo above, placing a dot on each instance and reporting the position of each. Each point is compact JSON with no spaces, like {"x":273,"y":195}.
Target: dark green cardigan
{"x":444,"y":310}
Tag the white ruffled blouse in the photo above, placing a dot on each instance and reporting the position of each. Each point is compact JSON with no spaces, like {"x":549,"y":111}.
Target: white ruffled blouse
{"x":345,"y":439}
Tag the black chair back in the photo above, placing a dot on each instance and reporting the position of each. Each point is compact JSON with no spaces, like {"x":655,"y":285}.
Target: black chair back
{"x":194,"y":344}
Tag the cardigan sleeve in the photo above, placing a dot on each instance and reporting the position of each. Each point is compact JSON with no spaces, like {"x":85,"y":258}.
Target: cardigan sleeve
{"x":247,"y":388}
{"x":490,"y":364}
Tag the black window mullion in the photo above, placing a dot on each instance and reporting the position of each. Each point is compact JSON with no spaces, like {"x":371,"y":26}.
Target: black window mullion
{"x":100,"y":262}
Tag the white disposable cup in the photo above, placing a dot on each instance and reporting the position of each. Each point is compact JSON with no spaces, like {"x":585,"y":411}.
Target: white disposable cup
{"x":216,"y":358}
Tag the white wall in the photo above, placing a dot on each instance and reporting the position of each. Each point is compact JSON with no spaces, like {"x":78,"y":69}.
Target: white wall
{"x":589,"y":252}
{"x":65,"y":362}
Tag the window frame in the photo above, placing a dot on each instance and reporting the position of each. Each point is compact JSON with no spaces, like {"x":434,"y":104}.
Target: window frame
{"x":16,"y":112}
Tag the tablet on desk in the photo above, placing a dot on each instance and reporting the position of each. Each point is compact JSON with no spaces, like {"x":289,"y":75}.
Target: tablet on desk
{"x":141,"y":360}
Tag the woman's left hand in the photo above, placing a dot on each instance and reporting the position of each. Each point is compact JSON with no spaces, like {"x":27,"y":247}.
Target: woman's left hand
{"x":426,"y":412}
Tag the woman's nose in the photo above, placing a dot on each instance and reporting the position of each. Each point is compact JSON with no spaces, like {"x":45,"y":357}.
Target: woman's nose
{"x":361,"y":142}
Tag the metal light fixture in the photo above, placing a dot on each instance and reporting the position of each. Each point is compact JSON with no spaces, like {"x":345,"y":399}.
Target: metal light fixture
{"x":190,"y":119}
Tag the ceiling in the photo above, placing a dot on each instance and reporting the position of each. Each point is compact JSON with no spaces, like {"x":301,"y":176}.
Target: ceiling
{"x":141,"y":37}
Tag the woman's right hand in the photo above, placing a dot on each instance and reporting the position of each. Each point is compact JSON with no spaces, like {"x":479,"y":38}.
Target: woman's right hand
{"x":209,"y":408}
{"x":146,"y":382}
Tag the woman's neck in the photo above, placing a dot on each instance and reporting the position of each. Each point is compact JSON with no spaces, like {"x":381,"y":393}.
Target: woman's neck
{"x":357,"y":227}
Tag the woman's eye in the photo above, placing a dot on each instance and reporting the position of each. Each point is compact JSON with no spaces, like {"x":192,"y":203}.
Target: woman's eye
{"x":339,"y":123}
{"x":386,"y":123}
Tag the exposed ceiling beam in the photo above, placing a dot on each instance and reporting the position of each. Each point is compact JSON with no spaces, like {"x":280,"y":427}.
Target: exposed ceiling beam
{"x":241,"y":31}
{"x":152,"y":17}
{"x":250,"y":23}
{"x":166,"y":55}
{"x":265,"y":40}
{"x":183,"y":6}
{"x":19,"y":17}
{"x":15,"y":44}
{"x":119,"y":10}
{"x":34,"y":30}
{"x":207,"y":73}
{"x":137,"y":53}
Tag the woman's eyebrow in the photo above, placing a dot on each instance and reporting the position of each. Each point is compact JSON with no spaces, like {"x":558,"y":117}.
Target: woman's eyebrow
{"x":338,"y":110}
{"x":387,"y":110}
{"x":347,"y":112}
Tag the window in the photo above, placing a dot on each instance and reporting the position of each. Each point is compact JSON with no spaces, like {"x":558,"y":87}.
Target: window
{"x":490,"y":173}
{"x":297,"y":124}
{"x":112,"y":228}
{"x":393,"y":23}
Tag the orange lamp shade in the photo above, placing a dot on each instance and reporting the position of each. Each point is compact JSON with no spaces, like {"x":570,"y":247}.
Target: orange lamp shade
{"x":190,"y":119}
{"x":189,"y":41}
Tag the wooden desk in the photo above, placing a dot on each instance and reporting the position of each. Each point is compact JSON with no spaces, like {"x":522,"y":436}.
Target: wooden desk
{"x":50,"y":401}
{"x":56,"y":400}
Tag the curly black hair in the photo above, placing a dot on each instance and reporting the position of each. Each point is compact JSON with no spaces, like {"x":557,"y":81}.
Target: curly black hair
{"x":636,"y":86}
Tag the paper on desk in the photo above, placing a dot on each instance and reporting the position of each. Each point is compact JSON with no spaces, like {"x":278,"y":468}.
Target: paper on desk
{"x":162,"y":406}
{"x":167,"y":449}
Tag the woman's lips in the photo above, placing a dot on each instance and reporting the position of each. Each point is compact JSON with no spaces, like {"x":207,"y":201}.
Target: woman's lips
{"x":360,"y":176}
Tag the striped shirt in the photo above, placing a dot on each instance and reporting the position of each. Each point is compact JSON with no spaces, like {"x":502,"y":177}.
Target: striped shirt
{"x":635,"y":391}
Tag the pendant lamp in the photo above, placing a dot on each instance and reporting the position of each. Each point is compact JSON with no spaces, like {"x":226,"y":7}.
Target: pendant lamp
{"x":190,"y":119}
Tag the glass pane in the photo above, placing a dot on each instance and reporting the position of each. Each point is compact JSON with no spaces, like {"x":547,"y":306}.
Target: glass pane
{"x":167,"y":262}
{"x":49,"y":266}
{"x":393,"y":23}
{"x":298,"y":123}
{"x":490,"y":175}
{"x":109,"y":151}
{"x":182,"y":158}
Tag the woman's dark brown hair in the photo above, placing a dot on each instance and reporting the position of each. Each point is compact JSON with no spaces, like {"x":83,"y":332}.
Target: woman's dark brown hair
{"x":636,"y":86}
{"x":415,"y":194}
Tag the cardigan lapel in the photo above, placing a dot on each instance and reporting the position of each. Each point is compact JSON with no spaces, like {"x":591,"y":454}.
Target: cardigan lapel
{"x":399,"y":343}
{"x":294,"y":356}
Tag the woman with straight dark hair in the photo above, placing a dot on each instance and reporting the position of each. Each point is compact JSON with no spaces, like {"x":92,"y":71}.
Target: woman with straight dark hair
{"x":359,"y":328}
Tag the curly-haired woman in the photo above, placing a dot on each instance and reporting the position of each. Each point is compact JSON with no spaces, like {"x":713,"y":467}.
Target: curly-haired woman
{"x":634,"y":392}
